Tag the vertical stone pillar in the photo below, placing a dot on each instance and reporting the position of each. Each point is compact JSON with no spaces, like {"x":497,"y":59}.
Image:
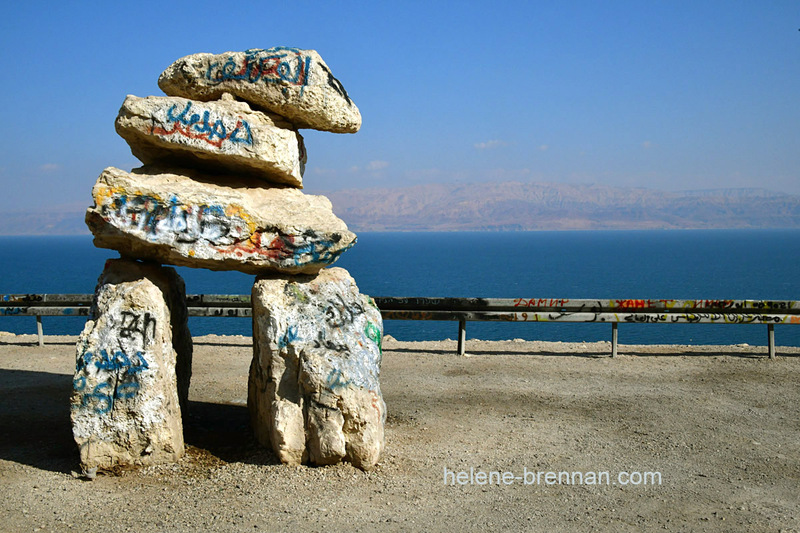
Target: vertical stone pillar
{"x":132,"y":368}
{"x":314,"y":391}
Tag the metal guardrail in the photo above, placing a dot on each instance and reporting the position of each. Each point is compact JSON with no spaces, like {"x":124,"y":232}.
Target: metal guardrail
{"x":39,"y":305}
{"x":614,"y":312}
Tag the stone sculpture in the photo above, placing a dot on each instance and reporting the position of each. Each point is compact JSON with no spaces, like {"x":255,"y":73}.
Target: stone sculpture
{"x":220,"y":190}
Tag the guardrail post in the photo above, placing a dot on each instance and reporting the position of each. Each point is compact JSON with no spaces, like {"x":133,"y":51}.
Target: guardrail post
{"x":614,"y":339}
{"x":40,"y":329}
{"x":771,"y":340}
{"x":462,"y":336}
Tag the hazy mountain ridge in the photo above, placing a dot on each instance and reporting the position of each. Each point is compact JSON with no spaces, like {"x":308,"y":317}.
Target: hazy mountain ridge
{"x":554,"y":206}
{"x":54,"y":221}
{"x":507,"y":206}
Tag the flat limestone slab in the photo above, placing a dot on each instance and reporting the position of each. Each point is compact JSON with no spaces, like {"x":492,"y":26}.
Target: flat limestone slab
{"x":195,"y":221}
{"x":294,"y":83}
{"x":224,"y":135}
{"x":132,"y":368}
{"x":314,"y":393}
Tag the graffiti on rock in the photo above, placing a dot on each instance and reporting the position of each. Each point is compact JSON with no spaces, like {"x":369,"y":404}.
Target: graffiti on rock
{"x":112,"y":372}
{"x":286,"y":249}
{"x":338,"y":313}
{"x":374,"y":333}
{"x":227,"y":230}
{"x":135,"y":325}
{"x":322,"y":342}
{"x":279,"y":65}
{"x":206,"y":127}
{"x":336,"y":381}
{"x":288,"y":338}
{"x":336,"y":85}
{"x":172,"y":220}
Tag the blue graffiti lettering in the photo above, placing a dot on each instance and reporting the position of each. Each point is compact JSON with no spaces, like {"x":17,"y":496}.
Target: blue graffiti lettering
{"x":288,"y":338}
{"x":120,"y":361}
{"x":79,"y":383}
{"x":203,"y":127}
{"x":336,"y":380}
{"x":122,"y":371}
{"x":272,"y":65}
{"x":104,"y":402}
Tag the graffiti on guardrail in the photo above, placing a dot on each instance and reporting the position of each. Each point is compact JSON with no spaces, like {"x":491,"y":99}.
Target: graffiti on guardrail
{"x":540,"y":302}
{"x":651,"y":318}
{"x":407,"y":315}
{"x":653,"y":304}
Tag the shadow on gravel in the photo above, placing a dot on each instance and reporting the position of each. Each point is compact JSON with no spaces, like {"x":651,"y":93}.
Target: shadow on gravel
{"x":681,"y":352}
{"x":238,"y":344}
{"x":35,"y":426}
{"x":34,"y":417}
{"x":592,"y":355}
{"x":23,"y":343}
{"x":697,"y":353}
{"x":223,"y":430}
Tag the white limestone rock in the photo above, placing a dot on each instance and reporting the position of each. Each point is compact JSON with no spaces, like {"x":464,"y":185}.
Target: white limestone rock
{"x":197,"y":221}
{"x":223,"y":135}
{"x":132,"y":368}
{"x":294,"y":83}
{"x":314,"y":390}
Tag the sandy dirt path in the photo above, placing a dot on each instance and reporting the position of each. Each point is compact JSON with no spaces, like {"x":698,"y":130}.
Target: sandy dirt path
{"x":719,"y":425}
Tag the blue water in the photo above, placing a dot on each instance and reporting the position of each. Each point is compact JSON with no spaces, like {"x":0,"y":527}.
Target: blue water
{"x":735,"y":264}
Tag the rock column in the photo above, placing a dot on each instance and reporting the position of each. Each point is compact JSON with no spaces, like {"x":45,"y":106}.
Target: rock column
{"x":132,"y":370}
{"x":314,"y":391}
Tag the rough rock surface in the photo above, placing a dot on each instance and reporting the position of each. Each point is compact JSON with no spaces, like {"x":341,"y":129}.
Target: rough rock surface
{"x":193,"y":221}
{"x":296,"y":84}
{"x":314,"y":391}
{"x":224,"y":135}
{"x":126,"y":404}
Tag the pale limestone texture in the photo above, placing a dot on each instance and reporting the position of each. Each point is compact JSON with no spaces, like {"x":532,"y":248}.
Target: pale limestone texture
{"x":314,"y":391}
{"x":198,"y":221}
{"x":126,"y":400}
{"x":223,"y":135}
{"x":294,"y":83}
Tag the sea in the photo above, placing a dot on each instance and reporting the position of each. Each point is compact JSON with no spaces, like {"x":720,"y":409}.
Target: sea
{"x":649,"y":264}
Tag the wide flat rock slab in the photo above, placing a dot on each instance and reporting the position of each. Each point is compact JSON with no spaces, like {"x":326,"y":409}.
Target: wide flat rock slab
{"x":132,"y":368}
{"x":193,"y":220}
{"x":224,"y":135}
{"x":314,"y":393}
{"x":294,"y":83}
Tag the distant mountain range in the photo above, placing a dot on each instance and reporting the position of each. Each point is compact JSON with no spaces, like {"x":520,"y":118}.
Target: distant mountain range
{"x":57,"y":220}
{"x":508,"y":206}
{"x":555,"y":206}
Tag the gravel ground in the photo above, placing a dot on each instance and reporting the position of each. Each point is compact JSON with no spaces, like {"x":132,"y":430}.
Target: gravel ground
{"x":719,"y":424}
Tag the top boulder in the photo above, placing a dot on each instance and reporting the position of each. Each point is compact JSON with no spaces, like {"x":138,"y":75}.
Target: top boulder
{"x":296,"y":84}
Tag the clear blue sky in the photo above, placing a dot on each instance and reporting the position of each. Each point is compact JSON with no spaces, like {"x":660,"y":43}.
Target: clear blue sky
{"x":660,"y":94}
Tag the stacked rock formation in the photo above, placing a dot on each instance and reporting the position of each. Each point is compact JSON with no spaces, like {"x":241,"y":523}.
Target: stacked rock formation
{"x":220,"y":189}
